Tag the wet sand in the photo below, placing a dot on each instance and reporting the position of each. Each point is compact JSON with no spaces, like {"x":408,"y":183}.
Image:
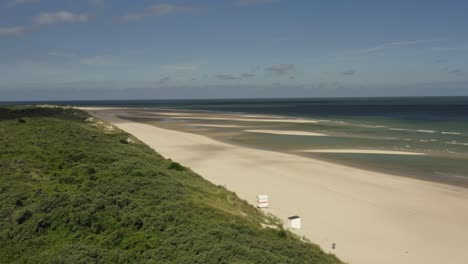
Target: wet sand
{"x":286,"y":132}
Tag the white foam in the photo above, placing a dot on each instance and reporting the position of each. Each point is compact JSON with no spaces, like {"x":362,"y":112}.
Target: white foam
{"x":363,"y":151}
{"x":454,"y":142}
{"x":426,"y":131}
{"x":300,"y":121}
{"x":399,"y":129}
{"x":451,"y":133}
{"x":370,"y":126}
{"x":286,"y":132}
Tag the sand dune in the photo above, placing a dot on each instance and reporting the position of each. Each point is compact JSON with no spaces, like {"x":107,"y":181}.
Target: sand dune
{"x":363,"y":151}
{"x":372,"y":217}
{"x":286,"y":132}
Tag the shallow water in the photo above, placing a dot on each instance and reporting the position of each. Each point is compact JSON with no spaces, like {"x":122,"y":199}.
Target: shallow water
{"x":442,"y":162}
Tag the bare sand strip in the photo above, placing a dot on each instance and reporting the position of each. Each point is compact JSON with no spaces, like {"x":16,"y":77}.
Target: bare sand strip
{"x":174,"y":113}
{"x":204,"y":114}
{"x":372,"y":217}
{"x":278,"y":120}
{"x":286,"y":132}
{"x":363,"y":151}
{"x":214,"y":125}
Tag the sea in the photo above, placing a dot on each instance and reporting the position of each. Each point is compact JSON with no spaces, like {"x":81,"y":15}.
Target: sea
{"x":435,"y":126}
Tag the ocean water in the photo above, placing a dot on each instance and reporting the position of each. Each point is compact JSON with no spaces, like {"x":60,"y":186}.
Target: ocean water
{"x":410,"y":109}
{"x":435,"y":126}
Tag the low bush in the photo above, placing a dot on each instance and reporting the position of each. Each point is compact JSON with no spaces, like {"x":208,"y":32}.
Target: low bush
{"x":71,"y":193}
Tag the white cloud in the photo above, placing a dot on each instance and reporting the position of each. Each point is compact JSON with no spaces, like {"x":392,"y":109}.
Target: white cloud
{"x":254,"y":2}
{"x":61,"y":54}
{"x":161,"y":10}
{"x":99,"y":61}
{"x":20,"y":2}
{"x":179,"y":67}
{"x":10,"y":31}
{"x":451,"y":48}
{"x":59,"y":17}
{"x":247,"y":75}
{"x":226,"y":77}
{"x":397,"y":44}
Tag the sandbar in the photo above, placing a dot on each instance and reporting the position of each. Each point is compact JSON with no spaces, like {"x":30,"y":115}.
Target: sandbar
{"x":364,"y":151}
{"x":286,"y":132}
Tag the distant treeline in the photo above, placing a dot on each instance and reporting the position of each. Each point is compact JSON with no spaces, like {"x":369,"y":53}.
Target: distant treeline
{"x":74,"y":189}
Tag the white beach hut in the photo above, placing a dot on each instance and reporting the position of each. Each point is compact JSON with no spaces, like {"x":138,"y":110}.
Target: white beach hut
{"x":294,"y":222}
{"x":262,"y":201}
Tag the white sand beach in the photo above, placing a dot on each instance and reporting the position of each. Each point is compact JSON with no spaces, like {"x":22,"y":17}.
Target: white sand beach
{"x":363,"y":151}
{"x":285,"y":132}
{"x":372,"y":217}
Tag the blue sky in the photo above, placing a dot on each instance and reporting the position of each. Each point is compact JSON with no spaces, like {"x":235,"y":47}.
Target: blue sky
{"x":148,"y":49}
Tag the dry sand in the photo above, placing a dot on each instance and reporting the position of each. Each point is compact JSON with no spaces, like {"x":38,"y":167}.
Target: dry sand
{"x":363,"y":151}
{"x":372,"y":217}
{"x":286,"y":132}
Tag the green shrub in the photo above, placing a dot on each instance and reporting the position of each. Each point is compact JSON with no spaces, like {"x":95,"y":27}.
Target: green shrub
{"x":176,"y":166}
{"x":23,"y":216}
{"x":71,"y":193}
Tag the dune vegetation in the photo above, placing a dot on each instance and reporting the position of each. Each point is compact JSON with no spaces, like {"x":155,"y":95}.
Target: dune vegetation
{"x":74,"y":189}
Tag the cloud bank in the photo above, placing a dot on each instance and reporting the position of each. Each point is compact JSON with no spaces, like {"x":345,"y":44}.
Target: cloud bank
{"x":254,"y":2}
{"x":10,"y":31}
{"x":59,"y":17}
{"x":162,"y":10}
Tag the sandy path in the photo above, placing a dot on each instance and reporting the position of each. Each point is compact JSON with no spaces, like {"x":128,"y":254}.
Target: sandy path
{"x":372,"y":217}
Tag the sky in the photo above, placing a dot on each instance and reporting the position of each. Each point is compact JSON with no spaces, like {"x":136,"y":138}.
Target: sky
{"x":150,"y":49}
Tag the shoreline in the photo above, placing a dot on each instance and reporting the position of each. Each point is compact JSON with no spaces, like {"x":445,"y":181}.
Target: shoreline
{"x":387,"y":217}
{"x":444,"y":178}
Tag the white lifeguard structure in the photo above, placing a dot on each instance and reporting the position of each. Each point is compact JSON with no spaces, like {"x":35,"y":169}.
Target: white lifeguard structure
{"x":262,"y":201}
{"x":294,"y":222}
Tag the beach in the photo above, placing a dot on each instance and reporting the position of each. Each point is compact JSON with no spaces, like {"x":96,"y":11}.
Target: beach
{"x":372,"y":217}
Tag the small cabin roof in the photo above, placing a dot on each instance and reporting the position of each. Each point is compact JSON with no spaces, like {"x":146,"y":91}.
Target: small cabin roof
{"x":262,"y":196}
{"x":294,"y":217}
